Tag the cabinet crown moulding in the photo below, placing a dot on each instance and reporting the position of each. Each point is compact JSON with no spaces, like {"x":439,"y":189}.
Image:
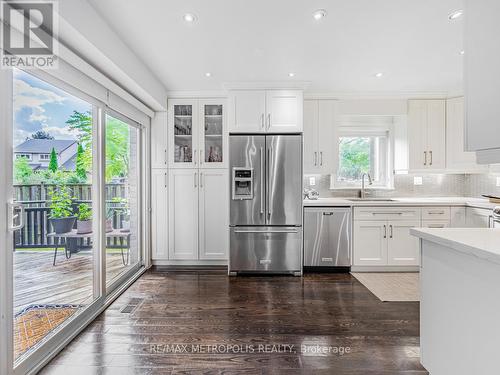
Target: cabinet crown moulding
{"x":264,"y":85}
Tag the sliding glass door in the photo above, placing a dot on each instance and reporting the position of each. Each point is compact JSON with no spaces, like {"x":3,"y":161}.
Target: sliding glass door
{"x":72,"y":179}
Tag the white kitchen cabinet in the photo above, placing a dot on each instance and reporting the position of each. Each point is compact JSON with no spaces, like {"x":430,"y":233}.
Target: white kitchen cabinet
{"x":261,"y":111}
{"x":456,"y":156}
{"x":435,"y":224}
{"x":159,"y":126}
{"x":477,"y":217}
{"x":370,"y":243}
{"x":457,"y":217}
{"x":159,"y":214}
{"x":482,"y":79}
{"x":183,"y":214}
{"x":198,"y":214}
{"x":284,"y":111}
{"x":197,"y":133}
{"x":213,"y":214}
{"x":320,"y":145}
{"x":427,"y":134}
{"x":402,"y":248}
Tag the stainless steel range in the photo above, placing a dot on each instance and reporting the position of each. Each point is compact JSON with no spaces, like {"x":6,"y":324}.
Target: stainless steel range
{"x":266,"y":204}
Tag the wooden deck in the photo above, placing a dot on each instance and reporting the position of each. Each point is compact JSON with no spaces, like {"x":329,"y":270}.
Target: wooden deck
{"x":37,"y":281}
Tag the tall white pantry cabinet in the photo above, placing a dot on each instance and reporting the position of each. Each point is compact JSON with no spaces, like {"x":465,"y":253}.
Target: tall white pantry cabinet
{"x":193,"y":191}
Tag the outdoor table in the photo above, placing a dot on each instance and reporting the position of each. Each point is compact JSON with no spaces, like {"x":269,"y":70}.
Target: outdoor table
{"x":117,"y":233}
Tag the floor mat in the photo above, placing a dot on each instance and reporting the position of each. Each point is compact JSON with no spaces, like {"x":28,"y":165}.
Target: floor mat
{"x":35,"y":322}
{"x":391,"y":286}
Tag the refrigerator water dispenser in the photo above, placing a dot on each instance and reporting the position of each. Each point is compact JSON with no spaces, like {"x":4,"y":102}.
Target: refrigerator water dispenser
{"x":242,"y":183}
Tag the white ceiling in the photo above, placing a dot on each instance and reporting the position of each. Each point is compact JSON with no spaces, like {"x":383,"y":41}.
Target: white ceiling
{"x":411,"y":41}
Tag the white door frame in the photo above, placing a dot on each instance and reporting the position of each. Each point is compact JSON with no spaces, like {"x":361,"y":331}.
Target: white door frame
{"x":6,"y":237}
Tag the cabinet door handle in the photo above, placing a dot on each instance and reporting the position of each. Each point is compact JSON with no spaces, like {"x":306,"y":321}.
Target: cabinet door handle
{"x":201,"y":156}
{"x":201,"y":179}
{"x":390,"y":228}
{"x":327,"y":213}
{"x":165,"y":179}
{"x":385,"y":231}
{"x":430,"y":153}
{"x":262,"y":121}
{"x":315,"y":158}
{"x":435,"y":226}
{"x":425,"y":157}
{"x":195,"y":178}
{"x":194,"y":159}
{"x":165,"y":156}
{"x":268,"y":121}
{"x":321,"y":158}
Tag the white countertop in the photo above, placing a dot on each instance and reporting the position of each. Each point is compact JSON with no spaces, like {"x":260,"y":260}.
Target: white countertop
{"x":483,"y":243}
{"x":410,"y":201}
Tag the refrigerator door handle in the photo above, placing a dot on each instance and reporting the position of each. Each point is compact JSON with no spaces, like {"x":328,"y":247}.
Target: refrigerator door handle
{"x":267,"y":231}
{"x":262,"y":193}
{"x":269,"y":160}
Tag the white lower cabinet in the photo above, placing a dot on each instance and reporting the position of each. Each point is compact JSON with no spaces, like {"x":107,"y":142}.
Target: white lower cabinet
{"x":370,"y":243}
{"x":385,"y":240}
{"x":198,"y":215}
{"x":183,"y":214}
{"x":402,"y":248}
{"x":477,"y":217}
{"x":213,"y":214}
{"x":159,"y":214}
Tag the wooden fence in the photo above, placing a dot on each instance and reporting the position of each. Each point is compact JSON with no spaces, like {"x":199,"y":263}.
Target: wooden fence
{"x":35,"y":199}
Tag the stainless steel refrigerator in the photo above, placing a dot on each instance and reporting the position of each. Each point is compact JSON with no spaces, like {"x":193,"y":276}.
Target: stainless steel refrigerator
{"x":265,"y":204}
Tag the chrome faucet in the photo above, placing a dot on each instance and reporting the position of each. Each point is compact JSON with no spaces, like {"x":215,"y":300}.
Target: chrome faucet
{"x":370,"y":182}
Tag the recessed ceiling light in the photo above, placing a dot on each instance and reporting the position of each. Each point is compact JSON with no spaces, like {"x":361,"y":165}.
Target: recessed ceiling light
{"x":319,"y":14}
{"x":189,"y":17}
{"x":291,"y":74}
{"x":462,"y":52}
{"x":208,"y":74}
{"x":456,"y":14}
{"x":379,"y":74}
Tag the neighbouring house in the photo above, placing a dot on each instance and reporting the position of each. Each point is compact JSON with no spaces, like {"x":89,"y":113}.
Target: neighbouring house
{"x":37,"y":151}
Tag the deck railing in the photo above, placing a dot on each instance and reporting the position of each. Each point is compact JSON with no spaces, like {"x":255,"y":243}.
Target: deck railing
{"x":36,"y":202}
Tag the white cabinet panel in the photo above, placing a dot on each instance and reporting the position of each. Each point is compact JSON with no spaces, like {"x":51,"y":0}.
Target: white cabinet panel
{"x":320,"y":143}
{"x":284,"y":111}
{"x":159,"y":127}
{"x":213,"y":137}
{"x":183,"y":214}
{"x":247,"y":111}
{"x":482,"y":76}
{"x":436,"y":134}
{"x":456,"y":156}
{"x":159,"y":214}
{"x":457,"y":217}
{"x":370,"y":243}
{"x":477,"y":217}
{"x":327,"y":141}
{"x":427,"y":134}
{"x":311,"y":129}
{"x":214,"y":214}
{"x":403,"y":248}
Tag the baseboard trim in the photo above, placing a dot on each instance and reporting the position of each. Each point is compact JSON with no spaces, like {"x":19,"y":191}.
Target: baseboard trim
{"x":326,"y":269}
{"x":191,"y":268}
{"x":189,"y":263}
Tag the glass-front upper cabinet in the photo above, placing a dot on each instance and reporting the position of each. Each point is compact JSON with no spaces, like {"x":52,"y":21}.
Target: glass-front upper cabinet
{"x":197,"y":133}
{"x":212,"y":134}
{"x":183,"y":119}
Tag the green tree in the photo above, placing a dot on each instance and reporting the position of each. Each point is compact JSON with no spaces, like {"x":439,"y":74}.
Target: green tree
{"x":117,"y":142}
{"x":354,"y":157}
{"x":81,"y":170}
{"x":40,"y":134}
{"x":23,"y":173}
{"x":53,"y":161}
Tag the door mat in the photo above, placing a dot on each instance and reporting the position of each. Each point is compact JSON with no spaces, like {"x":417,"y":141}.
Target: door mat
{"x":35,"y":322}
{"x":391,"y":286}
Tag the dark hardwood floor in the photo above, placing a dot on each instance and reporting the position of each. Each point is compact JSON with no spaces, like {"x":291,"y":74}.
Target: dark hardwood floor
{"x":199,"y":323}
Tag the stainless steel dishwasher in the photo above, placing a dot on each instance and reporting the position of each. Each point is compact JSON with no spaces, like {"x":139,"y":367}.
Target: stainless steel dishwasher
{"x":327,"y":237}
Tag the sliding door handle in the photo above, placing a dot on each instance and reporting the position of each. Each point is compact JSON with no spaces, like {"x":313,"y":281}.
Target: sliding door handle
{"x":12,"y":207}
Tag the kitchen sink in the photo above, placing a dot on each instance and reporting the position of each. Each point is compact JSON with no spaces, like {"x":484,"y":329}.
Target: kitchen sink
{"x":370,"y":199}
